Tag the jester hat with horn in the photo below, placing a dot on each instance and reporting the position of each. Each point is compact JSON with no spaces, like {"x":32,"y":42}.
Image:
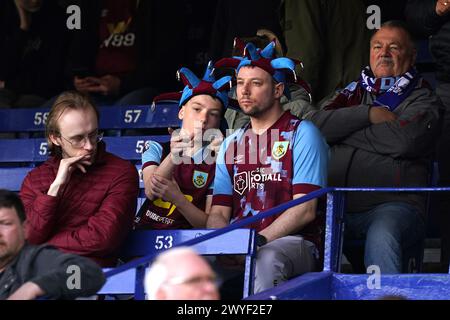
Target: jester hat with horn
{"x":281,"y":69}
{"x":194,"y":87}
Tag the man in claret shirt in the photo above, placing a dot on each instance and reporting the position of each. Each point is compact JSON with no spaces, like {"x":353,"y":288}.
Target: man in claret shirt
{"x":274,"y":159}
{"x":179,"y":187}
{"x":82,"y":200}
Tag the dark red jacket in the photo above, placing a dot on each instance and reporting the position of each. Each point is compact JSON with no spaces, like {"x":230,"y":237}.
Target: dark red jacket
{"x":91,"y":215}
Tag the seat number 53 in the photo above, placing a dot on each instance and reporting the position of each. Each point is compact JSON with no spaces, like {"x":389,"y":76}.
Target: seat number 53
{"x":165,"y":242}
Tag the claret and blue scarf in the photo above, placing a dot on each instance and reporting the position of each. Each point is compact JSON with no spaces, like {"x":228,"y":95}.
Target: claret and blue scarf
{"x":390,"y":92}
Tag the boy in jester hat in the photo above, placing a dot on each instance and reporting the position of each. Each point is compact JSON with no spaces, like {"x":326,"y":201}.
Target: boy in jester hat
{"x":178,"y":175}
{"x":272,"y":160}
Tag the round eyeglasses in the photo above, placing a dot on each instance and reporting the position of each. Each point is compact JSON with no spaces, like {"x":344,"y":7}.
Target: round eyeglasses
{"x":80,"y":141}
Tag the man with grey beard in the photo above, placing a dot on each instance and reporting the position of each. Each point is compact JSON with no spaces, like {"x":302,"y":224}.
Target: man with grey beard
{"x":382,"y":131}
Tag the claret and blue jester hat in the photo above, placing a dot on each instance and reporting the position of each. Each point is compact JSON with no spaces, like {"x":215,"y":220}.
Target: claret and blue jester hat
{"x":195,"y":86}
{"x":282,"y":69}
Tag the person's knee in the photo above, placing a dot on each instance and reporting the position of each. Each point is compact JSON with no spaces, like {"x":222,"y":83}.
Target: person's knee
{"x":382,"y":240}
{"x":270,"y":269}
{"x":268,"y":258}
{"x":395,"y":219}
{"x":291,"y":259}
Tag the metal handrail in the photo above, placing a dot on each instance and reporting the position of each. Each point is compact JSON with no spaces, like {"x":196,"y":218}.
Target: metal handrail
{"x":264,"y":214}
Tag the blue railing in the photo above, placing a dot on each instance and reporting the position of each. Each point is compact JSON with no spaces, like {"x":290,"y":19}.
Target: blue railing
{"x":334,"y":224}
{"x":239,"y":224}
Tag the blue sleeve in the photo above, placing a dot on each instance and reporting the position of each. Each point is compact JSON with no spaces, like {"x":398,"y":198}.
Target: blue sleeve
{"x":310,"y":156}
{"x":152,"y":155}
{"x":222,"y":179}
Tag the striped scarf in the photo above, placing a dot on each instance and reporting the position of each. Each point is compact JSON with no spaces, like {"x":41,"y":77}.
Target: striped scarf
{"x":390,"y":92}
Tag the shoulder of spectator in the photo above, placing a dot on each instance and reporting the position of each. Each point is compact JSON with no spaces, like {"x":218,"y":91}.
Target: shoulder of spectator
{"x":53,"y":269}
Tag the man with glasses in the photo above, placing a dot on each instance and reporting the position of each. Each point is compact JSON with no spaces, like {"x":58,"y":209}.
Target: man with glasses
{"x":82,"y":199}
{"x":181,"y":274}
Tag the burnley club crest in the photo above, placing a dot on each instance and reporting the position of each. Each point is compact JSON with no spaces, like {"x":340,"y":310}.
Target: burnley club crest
{"x":199,"y":178}
{"x":279,"y":149}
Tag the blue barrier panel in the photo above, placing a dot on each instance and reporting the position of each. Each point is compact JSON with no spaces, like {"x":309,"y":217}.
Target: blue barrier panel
{"x":143,"y":242}
{"x":123,"y":283}
{"x":152,"y":242}
{"x":335,"y":286}
{"x":409,"y":286}
{"x":310,"y":286}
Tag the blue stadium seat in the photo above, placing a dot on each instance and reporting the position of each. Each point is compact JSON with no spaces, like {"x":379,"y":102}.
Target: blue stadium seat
{"x":131,"y":147}
{"x":147,"y":242}
{"x":11,"y":178}
{"x":23,"y":150}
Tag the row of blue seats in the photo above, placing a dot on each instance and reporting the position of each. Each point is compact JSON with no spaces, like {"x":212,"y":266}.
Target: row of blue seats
{"x":161,"y":115}
{"x":128,"y":148}
{"x":31,"y":152}
{"x":36,"y":150}
{"x":19,"y":156}
{"x":11,"y":178}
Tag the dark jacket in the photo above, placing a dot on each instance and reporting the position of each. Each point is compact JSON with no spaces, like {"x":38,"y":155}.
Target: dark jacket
{"x":390,"y":154}
{"x":92,"y":214}
{"x":422,"y":16}
{"x":235,"y":18}
{"x":32,"y":62}
{"x":50,"y":270}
